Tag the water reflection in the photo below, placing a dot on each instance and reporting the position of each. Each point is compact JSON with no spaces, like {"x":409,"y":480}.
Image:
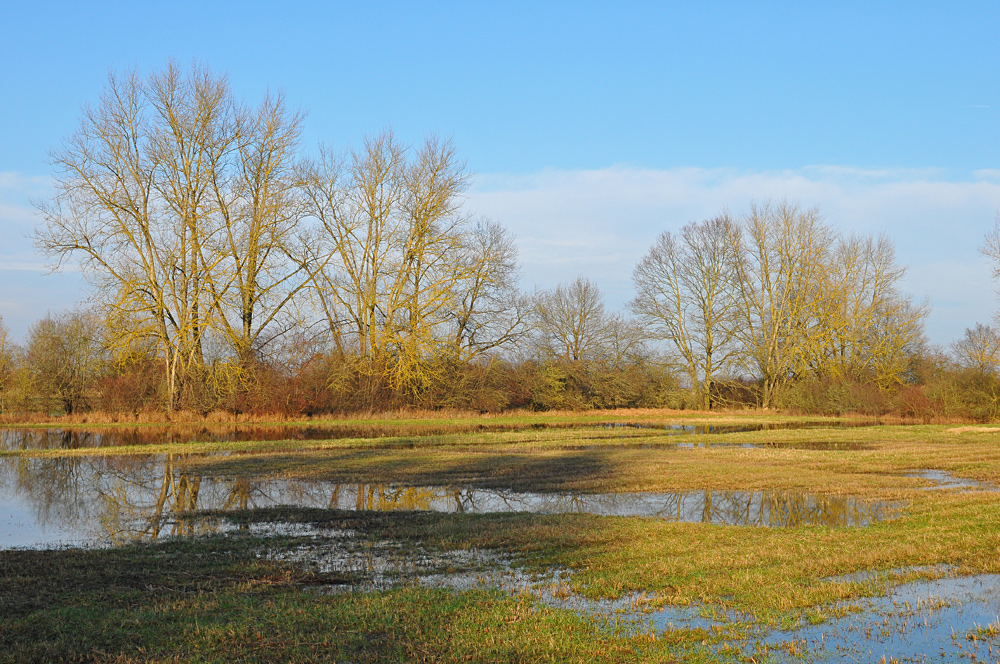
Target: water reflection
{"x":37,"y":439}
{"x":80,"y":500}
{"x":74,"y":438}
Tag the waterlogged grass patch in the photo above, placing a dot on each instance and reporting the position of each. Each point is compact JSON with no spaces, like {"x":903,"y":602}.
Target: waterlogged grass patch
{"x":217,"y":600}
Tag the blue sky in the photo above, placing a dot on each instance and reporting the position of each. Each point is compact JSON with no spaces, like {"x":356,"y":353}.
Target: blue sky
{"x":593,"y":127}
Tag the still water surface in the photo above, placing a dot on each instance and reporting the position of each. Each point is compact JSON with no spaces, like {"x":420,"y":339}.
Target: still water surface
{"x":115,"y":499}
{"x":79,"y":437}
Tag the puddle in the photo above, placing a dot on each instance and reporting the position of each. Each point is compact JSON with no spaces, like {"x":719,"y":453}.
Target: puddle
{"x":819,"y":445}
{"x":112,"y":499}
{"x":866,"y":575}
{"x":943,"y":620}
{"x":807,"y":445}
{"x":342,"y":563}
{"x":944,"y":480}
{"x":79,"y":437}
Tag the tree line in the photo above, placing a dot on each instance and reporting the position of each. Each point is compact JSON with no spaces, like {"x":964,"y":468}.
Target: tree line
{"x":231,"y":272}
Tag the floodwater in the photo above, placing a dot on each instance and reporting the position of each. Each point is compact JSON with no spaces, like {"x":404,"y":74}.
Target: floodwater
{"x":944,"y":480}
{"x":88,"y":437}
{"x":80,"y":437}
{"x":940,"y":620}
{"x":87,"y":500}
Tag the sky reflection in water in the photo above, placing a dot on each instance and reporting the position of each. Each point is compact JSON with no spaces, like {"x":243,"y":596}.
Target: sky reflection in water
{"x":114,"y":499}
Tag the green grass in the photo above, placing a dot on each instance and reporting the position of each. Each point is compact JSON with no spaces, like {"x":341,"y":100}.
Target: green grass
{"x":214,"y":600}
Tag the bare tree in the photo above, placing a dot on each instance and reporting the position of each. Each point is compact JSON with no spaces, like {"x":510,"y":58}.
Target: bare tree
{"x":178,"y":203}
{"x":5,"y":349}
{"x":64,"y":356}
{"x":863,"y":327}
{"x":991,"y":247}
{"x":571,"y":322}
{"x":398,"y":242}
{"x":490,"y":312}
{"x":780,"y":254}
{"x":133,"y":203}
{"x":979,"y":350}
{"x":685,"y":295}
{"x":260,"y":211}
{"x":6,"y":364}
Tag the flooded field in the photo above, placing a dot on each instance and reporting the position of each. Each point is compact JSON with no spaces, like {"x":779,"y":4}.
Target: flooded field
{"x":786,"y":544}
{"x":101,"y":500}
{"x":945,"y":619}
{"x":14,"y":438}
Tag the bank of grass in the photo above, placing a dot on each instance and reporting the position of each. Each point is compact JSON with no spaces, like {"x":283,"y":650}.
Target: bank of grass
{"x":868,"y":460}
{"x":215,"y":600}
{"x":409,"y":418}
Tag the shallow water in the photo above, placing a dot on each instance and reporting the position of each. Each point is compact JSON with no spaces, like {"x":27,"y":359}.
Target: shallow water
{"x":88,"y":437}
{"x":924,"y":621}
{"x":79,"y":437}
{"x":940,"y":620}
{"x":112,"y":499}
{"x":944,"y":480}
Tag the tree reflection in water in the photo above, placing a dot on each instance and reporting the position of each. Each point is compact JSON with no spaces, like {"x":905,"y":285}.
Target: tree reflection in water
{"x":39,"y":438}
{"x":126,"y":498}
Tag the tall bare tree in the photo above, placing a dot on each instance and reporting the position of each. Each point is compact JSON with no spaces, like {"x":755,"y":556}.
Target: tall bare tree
{"x":177,"y":201}
{"x":400,"y":253}
{"x":261,"y":214}
{"x":780,"y":254}
{"x":571,"y":322}
{"x":685,"y":295}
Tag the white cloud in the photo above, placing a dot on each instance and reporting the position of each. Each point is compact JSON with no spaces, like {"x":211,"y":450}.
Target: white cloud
{"x":12,"y":264}
{"x":32,"y":184}
{"x":600,"y":222}
{"x":27,"y":290}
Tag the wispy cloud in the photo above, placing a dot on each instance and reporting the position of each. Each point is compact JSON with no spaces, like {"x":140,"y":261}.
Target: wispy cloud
{"x":601,"y":222}
{"x":14,"y":265}
{"x":20,"y":183}
{"x":27,"y":290}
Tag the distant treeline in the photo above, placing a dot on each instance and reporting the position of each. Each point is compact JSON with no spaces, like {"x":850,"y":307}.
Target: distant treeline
{"x":231,"y":273}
